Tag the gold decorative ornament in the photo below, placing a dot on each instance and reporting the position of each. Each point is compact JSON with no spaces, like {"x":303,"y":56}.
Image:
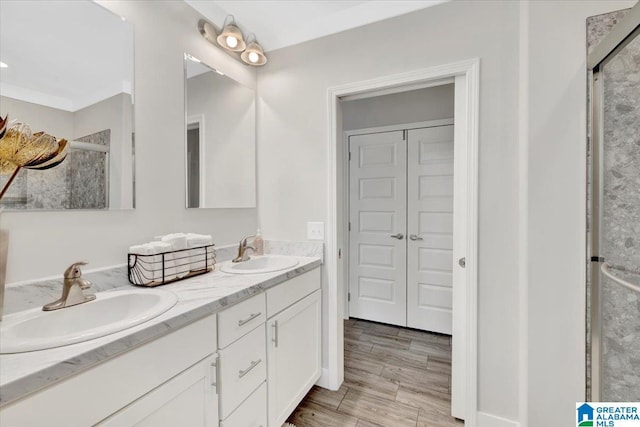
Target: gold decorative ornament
{"x":19,"y":148}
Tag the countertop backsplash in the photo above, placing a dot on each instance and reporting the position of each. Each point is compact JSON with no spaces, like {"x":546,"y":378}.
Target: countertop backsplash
{"x":36,"y":293}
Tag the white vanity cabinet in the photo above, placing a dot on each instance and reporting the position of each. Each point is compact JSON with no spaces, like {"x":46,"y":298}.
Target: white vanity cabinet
{"x":243,"y":360}
{"x":187,"y":399}
{"x":168,"y":377}
{"x":293,"y":343}
{"x":249,"y":365}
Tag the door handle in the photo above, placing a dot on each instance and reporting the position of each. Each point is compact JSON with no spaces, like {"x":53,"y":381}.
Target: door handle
{"x":249,"y":319}
{"x":398,"y":236}
{"x":275,"y":333}
{"x":415,"y":237}
{"x":462,"y":262}
{"x":244,"y":372}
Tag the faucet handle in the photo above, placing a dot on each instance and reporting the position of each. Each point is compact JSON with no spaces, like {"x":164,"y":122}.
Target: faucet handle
{"x":243,"y":242}
{"x":74,"y":272}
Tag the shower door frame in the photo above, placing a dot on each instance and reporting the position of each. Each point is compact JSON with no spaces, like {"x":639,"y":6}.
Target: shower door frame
{"x":623,"y":33}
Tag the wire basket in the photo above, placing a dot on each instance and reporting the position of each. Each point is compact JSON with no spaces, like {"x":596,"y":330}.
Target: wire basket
{"x":167,"y":267}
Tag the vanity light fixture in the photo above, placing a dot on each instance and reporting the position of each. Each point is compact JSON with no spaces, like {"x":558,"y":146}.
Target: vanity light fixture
{"x":253,"y":54}
{"x":230,"y":37}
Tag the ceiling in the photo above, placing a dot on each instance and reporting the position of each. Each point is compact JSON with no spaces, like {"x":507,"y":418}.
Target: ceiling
{"x":58,"y":60}
{"x":282,"y":23}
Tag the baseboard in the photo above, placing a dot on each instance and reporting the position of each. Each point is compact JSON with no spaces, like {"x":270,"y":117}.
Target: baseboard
{"x":324,"y":381}
{"x":488,"y":420}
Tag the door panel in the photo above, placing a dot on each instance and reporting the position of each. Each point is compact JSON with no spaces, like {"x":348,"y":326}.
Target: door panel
{"x":377,"y":192}
{"x":430,"y":220}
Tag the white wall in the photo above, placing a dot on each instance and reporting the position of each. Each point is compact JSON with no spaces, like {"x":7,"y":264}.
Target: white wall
{"x":413,"y":106}
{"x":45,"y":243}
{"x":292,"y":148}
{"x":53,"y":121}
{"x":557,"y":206}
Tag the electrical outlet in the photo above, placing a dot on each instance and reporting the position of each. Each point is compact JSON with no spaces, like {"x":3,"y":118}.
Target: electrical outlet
{"x":315,"y":230}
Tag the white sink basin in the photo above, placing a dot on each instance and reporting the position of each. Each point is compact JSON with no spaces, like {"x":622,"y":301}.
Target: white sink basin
{"x":260,"y":264}
{"x":110,"y":312}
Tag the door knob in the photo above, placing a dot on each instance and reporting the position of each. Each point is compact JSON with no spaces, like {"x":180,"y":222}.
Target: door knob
{"x":398,"y":236}
{"x":463,"y":262}
{"x":415,"y":237}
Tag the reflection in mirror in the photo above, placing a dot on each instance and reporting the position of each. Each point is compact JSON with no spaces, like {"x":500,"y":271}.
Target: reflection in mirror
{"x":220,"y":139}
{"x":69,"y":73}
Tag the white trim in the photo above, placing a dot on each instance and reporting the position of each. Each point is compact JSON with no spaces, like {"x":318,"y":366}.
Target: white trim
{"x":391,"y":91}
{"x":523,"y":215}
{"x":406,"y":126}
{"x":323,"y":380}
{"x":199,"y":119}
{"x":334,"y":374}
{"x":488,"y":420}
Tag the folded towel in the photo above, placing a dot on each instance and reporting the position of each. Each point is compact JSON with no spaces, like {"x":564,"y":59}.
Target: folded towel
{"x":169,"y":264}
{"x":198,"y":257}
{"x":178,"y":242}
{"x":149,"y":264}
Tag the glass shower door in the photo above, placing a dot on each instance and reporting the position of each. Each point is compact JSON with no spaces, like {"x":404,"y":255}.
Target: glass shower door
{"x":615,"y":224}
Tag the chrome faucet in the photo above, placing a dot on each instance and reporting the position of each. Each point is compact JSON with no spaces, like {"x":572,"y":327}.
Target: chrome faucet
{"x":72,"y":288}
{"x":242,"y":250}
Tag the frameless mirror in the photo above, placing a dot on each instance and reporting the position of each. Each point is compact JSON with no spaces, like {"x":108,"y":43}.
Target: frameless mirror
{"x":67,"y":70}
{"x":220,"y":130}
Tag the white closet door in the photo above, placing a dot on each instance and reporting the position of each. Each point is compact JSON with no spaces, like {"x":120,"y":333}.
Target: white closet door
{"x":430,"y":229}
{"x":377,"y":211}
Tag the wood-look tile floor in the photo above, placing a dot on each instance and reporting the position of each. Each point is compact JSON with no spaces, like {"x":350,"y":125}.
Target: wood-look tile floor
{"x":393,"y":377}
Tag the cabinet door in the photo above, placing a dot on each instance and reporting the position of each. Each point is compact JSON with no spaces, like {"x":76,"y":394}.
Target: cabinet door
{"x":188,"y":399}
{"x":293,"y":354}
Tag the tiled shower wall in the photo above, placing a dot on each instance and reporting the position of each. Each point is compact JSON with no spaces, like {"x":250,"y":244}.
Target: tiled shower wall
{"x":80,"y":182}
{"x":620,"y":214}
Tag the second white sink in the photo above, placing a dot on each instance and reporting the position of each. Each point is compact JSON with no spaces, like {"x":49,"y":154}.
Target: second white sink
{"x":260,"y":264}
{"x":110,"y":312}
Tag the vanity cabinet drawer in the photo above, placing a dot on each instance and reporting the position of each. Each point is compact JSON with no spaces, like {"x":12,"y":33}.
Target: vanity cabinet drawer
{"x":252,"y":412}
{"x":236,"y":321}
{"x":243,"y":366}
{"x":293,"y":290}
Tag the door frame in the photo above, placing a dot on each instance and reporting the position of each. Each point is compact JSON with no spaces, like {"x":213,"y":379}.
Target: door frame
{"x":345,"y":199}
{"x":466,"y":74}
{"x":197,"y":119}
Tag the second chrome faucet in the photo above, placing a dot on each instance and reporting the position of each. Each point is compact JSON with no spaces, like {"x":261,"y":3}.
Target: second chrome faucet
{"x":243,"y":247}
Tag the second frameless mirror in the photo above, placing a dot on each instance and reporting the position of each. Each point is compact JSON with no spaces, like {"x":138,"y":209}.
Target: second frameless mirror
{"x":220,"y":139}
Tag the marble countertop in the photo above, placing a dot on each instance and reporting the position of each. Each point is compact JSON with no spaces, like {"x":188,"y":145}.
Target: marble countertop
{"x":200,"y":296}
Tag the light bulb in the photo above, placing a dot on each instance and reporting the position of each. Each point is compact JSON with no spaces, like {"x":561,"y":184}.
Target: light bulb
{"x":232,"y":42}
{"x":254,"y":57}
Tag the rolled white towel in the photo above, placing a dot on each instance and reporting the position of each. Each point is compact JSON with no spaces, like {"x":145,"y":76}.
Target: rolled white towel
{"x":178,"y":242}
{"x":149,"y":263}
{"x":198,"y":257}
{"x":169,"y":272}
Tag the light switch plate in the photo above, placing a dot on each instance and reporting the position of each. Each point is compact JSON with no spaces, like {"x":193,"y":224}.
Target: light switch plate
{"x":315,"y":230}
